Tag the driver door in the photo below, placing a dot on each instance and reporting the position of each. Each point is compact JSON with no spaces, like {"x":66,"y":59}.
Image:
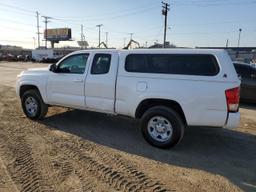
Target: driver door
{"x":65,"y":86}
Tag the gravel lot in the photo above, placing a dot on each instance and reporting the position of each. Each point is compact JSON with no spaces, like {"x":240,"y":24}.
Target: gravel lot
{"x":72,"y":150}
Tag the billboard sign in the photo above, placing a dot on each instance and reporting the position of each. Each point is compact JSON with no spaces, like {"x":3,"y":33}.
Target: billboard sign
{"x":58,"y":34}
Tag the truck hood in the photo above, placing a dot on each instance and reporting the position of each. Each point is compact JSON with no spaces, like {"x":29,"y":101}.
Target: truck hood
{"x":35,"y":71}
{"x":42,"y":69}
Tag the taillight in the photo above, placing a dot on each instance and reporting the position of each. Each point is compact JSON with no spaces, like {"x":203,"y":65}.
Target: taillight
{"x":232,"y":97}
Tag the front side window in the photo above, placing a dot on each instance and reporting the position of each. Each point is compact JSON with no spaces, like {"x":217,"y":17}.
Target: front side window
{"x":73,"y":64}
{"x":101,"y":64}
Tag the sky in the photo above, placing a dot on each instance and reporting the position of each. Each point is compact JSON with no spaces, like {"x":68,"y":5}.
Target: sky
{"x":191,"y":23}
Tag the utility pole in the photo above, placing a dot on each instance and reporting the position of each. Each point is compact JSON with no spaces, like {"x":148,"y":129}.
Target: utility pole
{"x":82,"y":36}
{"x":107,"y":39}
{"x":38,"y":33}
{"x":165,"y":14}
{"x":46,"y":20}
{"x":239,"y":36}
{"x":82,"y":33}
{"x":99,"y":32}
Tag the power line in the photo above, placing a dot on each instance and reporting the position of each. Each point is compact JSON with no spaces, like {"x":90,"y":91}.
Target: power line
{"x":16,"y":29}
{"x":118,"y":16}
{"x":15,"y":41}
{"x":15,"y":11}
{"x":17,"y":8}
{"x":214,"y":23}
{"x":110,"y":14}
{"x":133,"y":11}
{"x":211,"y":3}
{"x":130,"y":13}
{"x":12,"y":21}
{"x":124,"y":15}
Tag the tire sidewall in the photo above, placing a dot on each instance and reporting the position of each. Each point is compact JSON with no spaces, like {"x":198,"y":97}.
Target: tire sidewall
{"x":173,"y":118}
{"x":37,"y":98}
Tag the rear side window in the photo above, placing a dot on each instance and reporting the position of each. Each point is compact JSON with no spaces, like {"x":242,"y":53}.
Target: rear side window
{"x":101,"y":64}
{"x":184,"y":64}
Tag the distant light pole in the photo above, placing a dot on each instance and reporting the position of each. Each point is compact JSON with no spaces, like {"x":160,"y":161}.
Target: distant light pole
{"x":239,"y":36}
{"x":227,"y":42}
{"x":34,"y":42}
{"x":99,"y":26}
{"x":131,"y":34}
{"x":106,"y":39}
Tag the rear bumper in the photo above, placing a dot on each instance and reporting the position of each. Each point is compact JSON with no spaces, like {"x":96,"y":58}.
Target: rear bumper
{"x":233,"y":120}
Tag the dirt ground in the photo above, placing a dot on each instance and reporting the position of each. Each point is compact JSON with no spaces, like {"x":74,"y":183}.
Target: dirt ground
{"x":72,"y":150}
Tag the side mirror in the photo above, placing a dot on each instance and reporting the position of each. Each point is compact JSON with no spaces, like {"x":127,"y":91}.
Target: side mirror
{"x":53,"y":68}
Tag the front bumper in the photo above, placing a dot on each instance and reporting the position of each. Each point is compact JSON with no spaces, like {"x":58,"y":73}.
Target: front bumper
{"x":17,"y":88}
{"x":233,"y":120}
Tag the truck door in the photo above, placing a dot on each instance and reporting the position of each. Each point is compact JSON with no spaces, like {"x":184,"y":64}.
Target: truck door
{"x":100,"y":82}
{"x":65,"y":86}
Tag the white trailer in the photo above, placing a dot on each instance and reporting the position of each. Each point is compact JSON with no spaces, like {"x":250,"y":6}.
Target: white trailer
{"x":40,"y":54}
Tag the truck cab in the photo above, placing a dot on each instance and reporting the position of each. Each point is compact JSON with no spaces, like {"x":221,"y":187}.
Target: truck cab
{"x":84,"y":80}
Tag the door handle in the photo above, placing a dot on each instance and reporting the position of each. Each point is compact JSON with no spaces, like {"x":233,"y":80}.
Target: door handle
{"x":78,"y":80}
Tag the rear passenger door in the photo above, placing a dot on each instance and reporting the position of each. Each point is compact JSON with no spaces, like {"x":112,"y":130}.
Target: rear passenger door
{"x":100,"y":82}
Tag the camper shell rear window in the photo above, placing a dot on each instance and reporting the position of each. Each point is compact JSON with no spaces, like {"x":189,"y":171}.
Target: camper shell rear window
{"x":183,"y":64}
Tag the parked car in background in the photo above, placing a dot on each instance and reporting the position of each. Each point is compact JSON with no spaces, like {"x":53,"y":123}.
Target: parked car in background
{"x":247,"y":73}
{"x":9,"y":57}
{"x":21,"y":58}
{"x":253,"y":64}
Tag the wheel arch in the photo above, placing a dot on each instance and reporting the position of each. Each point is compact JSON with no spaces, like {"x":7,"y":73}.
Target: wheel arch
{"x":146,"y":104}
{"x":31,"y":86}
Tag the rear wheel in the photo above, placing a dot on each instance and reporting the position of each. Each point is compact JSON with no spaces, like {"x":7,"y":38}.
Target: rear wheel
{"x":33,"y":105}
{"x":162,"y":127}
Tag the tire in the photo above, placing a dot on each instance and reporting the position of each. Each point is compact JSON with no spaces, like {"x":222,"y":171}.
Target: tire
{"x":33,"y":97}
{"x":167,"y":130}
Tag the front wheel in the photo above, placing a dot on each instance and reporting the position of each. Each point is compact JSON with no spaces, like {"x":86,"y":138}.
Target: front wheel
{"x":33,"y":105}
{"x":162,"y":127}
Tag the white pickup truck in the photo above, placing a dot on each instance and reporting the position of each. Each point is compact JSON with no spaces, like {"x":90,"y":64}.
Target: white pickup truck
{"x":167,"y":89}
